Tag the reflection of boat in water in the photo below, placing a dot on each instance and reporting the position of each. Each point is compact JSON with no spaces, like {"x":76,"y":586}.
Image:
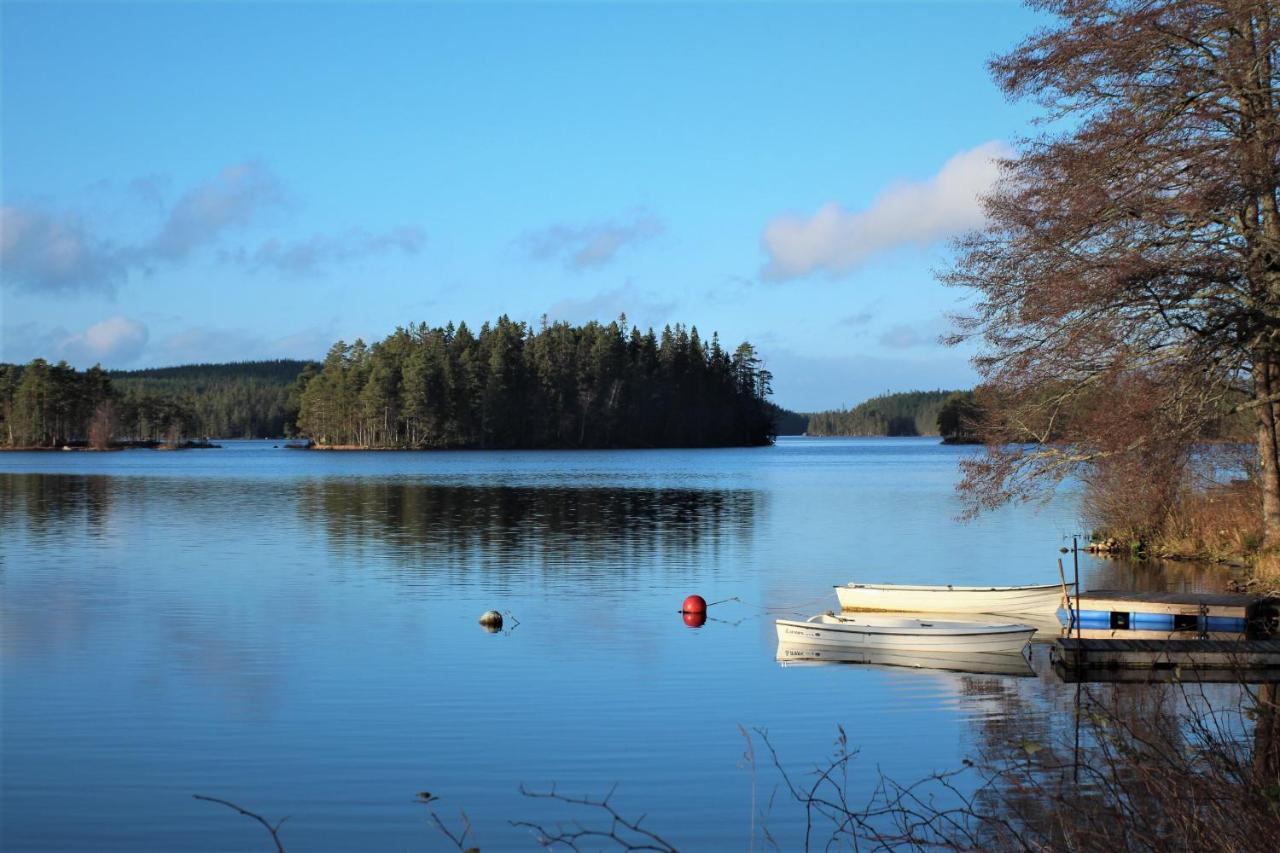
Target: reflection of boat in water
{"x":881,"y":631}
{"x":985,"y":663}
{"x":1039,"y":598}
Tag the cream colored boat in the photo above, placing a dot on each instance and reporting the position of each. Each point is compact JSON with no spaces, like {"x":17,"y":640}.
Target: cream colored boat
{"x":1042,"y":599}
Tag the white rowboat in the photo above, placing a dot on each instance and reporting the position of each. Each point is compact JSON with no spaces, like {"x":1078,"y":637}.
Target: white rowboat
{"x":1043,"y":599}
{"x":874,"y":631}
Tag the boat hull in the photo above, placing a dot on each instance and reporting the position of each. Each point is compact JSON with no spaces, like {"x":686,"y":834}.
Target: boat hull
{"x":905,"y":635}
{"x":1041,"y":599}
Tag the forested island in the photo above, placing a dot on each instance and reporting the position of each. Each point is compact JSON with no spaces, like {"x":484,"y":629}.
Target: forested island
{"x":559,"y":386}
{"x":507,"y":386}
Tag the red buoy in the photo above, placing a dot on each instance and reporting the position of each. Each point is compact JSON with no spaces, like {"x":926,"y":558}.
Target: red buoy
{"x":695,"y":620}
{"x":694,"y":604}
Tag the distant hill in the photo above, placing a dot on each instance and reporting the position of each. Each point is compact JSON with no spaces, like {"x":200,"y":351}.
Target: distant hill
{"x":280,"y":372}
{"x":239,"y":399}
{"x":903,"y":414}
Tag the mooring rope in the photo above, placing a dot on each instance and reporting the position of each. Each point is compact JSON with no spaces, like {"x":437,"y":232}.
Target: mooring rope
{"x":800,"y":607}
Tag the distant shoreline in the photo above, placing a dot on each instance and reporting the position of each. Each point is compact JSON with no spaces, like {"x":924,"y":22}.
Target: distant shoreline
{"x":346,"y":448}
{"x":81,"y":447}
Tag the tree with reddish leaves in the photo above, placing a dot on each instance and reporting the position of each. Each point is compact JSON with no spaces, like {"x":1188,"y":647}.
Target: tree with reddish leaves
{"x":1128,"y":277}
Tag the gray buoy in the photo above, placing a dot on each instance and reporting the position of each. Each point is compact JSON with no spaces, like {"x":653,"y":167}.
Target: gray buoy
{"x":491,"y":620}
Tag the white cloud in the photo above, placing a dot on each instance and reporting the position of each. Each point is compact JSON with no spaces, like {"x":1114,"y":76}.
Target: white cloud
{"x":113,"y":342}
{"x":119,"y":342}
{"x":836,"y":241}
{"x":592,"y":244}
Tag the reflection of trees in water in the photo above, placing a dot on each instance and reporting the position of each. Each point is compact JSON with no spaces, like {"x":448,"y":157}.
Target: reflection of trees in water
{"x":478,"y":524}
{"x":1154,"y":575}
{"x":47,"y":503}
{"x":68,"y":595}
{"x":57,"y":504}
{"x":1104,"y":767}
{"x":442,"y":523}
{"x":1120,"y":766}
{"x":1054,"y":766}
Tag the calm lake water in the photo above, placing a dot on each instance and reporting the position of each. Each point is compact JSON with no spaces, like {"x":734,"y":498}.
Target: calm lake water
{"x":296,"y":632}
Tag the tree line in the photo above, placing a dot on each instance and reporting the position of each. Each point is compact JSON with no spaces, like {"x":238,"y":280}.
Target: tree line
{"x":903,"y":414}
{"x":560,"y":385}
{"x":256,"y":399}
{"x":55,"y":405}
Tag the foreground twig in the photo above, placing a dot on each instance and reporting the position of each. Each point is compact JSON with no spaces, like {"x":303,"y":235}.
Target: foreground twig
{"x":274,"y":830}
{"x":617,"y":832}
{"x":460,"y":839}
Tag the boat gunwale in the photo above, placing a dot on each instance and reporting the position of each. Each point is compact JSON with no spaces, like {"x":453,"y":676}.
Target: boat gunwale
{"x":950,"y":588}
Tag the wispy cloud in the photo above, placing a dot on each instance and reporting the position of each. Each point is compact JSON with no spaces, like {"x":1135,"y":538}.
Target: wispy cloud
{"x":642,"y":309}
{"x":56,"y":253}
{"x":62,"y":253}
{"x":836,"y":241}
{"x":309,"y":256}
{"x":231,"y":198}
{"x":591,"y":244}
{"x":857,"y":320}
{"x":928,"y":333}
{"x":207,"y":343}
{"x":903,"y":336}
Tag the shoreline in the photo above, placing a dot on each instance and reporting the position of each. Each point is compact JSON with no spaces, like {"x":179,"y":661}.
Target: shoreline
{"x":347,"y":448}
{"x":1254,"y":572}
{"x":128,"y":445}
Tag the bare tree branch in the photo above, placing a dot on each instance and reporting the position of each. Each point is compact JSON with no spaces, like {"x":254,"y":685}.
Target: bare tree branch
{"x":618,"y":831}
{"x":273,"y":829}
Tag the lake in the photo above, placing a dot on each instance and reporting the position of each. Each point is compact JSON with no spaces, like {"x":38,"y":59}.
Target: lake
{"x":297,"y":632}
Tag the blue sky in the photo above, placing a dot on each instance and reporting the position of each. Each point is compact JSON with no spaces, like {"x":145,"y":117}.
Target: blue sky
{"x":202,"y":182}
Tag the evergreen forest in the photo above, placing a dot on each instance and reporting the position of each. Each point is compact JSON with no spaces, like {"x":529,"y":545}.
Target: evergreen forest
{"x":559,"y":386}
{"x":507,"y":386}
{"x":55,"y":405}
{"x":905,"y":414}
{"x":252,"y":399}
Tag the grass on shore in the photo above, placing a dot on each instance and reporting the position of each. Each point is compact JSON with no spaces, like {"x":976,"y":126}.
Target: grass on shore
{"x":1221,"y":523}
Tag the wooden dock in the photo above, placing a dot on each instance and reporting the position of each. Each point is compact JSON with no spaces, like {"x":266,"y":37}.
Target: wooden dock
{"x":1140,"y":634}
{"x":1193,"y":615}
{"x":1252,"y":661}
{"x":1095,"y":675}
{"x":1170,"y":603}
